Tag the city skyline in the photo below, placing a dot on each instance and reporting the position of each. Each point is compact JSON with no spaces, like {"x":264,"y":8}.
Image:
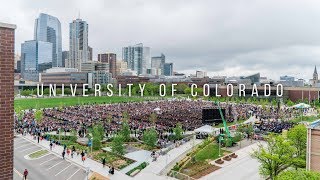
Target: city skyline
{"x":214,"y":38}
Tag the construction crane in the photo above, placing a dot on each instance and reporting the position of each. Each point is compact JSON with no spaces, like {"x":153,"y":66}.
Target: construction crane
{"x":221,"y":136}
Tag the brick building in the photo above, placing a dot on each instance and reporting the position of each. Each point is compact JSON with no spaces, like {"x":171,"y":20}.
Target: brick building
{"x":110,"y":58}
{"x":6,"y":98}
{"x":313,"y":146}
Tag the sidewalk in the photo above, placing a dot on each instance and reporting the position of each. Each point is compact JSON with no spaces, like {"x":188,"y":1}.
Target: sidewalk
{"x":244,"y":166}
{"x":160,"y":166}
{"x":89,"y":163}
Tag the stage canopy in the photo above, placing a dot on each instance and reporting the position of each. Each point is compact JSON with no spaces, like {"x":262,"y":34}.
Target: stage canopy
{"x":206,"y":129}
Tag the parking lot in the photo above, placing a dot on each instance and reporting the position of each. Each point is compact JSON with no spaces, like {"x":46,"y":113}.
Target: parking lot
{"x":49,"y":166}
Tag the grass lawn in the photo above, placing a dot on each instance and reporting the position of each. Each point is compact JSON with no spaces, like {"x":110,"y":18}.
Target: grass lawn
{"x":35,"y":103}
{"x":211,"y":151}
{"x":38,"y":154}
{"x":304,"y":118}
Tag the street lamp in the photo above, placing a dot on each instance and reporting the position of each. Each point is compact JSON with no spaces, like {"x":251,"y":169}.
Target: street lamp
{"x":220,"y":145}
{"x":91,"y":143}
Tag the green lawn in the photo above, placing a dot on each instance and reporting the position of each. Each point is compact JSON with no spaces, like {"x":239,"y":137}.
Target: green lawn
{"x":304,"y":118}
{"x":35,"y":103}
{"x":38,"y":154}
{"x":211,"y":151}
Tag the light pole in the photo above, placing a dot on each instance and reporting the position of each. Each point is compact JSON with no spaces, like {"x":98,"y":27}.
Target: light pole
{"x":91,"y":143}
{"x":219,"y":146}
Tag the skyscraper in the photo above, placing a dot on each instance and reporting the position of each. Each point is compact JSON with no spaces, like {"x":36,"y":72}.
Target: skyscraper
{"x":35,"y":57}
{"x":90,"y":56}
{"x":65,"y":56}
{"x":48,"y":29}
{"x":78,"y":44}
{"x":168,"y":69}
{"x":137,"y":57}
{"x":110,"y":58}
{"x":157,"y":64}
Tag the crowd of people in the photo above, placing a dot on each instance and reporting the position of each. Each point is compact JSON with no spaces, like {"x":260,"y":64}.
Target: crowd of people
{"x":167,"y":114}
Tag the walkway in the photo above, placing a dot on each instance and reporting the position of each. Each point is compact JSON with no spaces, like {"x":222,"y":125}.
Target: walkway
{"x":244,"y":167}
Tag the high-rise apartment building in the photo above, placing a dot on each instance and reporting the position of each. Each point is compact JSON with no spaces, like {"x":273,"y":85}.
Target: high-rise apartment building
{"x":78,"y":44}
{"x":111,"y":59}
{"x":137,"y":57}
{"x":65,"y":56}
{"x":36,"y":56}
{"x":90,"y":57}
{"x":157,"y":64}
{"x":168,"y":69}
{"x":48,"y":29}
{"x":121,"y":67}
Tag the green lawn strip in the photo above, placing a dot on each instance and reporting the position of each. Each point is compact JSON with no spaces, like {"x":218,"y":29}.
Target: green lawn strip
{"x":210,"y":151}
{"x":140,"y":167}
{"x":38,"y":153}
{"x":304,"y":118}
{"x":35,"y":103}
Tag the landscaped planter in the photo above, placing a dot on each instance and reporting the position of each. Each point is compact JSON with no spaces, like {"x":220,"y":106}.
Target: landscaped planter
{"x":227,"y":158}
{"x":219,"y":161}
{"x":233,"y":155}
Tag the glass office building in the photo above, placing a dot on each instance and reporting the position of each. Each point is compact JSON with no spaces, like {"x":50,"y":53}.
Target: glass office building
{"x":137,"y":57}
{"x":168,"y":69}
{"x":78,"y":44}
{"x":35,"y":57}
{"x":48,"y":29}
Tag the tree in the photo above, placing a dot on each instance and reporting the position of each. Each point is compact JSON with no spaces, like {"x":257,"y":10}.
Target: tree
{"x":178,"y":132}
{"x":97,"y":132}
{"x":181,"y":88}
{"x":298,"y":137}
{"x":299,"y":174}
{"x":117,"y":145}
{"x":150,"y":137}
{"x":153,"y":118}
{"x":275,"y":156}
{"x":19,"y":112}
{"x":38,"y":115}
{"x":125,"y":129}
{"x":25,"y":92}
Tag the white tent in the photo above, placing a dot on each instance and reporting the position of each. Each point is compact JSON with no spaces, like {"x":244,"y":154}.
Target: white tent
{"x":206,"y":129}
{"x":250,"y":120}
{"x":301,"y":106}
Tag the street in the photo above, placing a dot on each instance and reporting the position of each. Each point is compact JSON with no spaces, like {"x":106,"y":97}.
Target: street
{"x":48,"y":167}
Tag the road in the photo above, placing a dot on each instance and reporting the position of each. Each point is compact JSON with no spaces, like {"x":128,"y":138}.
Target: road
{"x":47,"y":167}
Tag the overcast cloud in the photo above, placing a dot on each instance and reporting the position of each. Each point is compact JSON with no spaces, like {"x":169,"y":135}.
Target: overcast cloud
{"x":229,"y":37}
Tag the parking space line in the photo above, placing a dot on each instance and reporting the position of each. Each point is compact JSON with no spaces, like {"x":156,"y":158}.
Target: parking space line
{"x":29,"y":148}
{"x":21,"y":146}
{"x":17,"y":172}
{"x":73,"y":174}
{"x":48,"y":160}
{"x":63,"y":170}
{"x":55,"y":165}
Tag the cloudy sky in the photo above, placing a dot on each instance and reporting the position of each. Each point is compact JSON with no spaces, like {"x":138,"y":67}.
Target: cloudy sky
{"x":229,"y":37}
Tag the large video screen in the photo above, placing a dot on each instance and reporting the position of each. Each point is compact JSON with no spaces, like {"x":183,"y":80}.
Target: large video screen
{"x":210,"y":116}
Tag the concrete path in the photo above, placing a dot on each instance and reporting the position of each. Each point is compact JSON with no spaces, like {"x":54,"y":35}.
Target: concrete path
{"x":244,"y":167}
